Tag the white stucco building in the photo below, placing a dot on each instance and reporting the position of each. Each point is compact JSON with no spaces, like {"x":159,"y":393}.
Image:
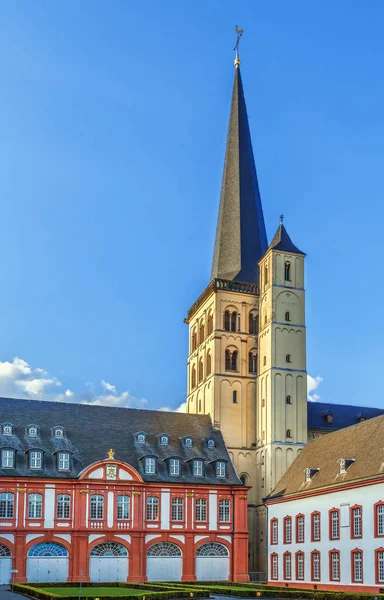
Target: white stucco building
{"x":326,"y":515}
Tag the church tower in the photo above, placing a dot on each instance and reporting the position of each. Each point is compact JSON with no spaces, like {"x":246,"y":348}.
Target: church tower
{"x":242,"y":327}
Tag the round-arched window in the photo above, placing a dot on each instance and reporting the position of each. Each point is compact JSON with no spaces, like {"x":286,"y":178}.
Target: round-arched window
{"x":212,"y":549}
{"x":109,"y":549}
{"x":4,"y":551}
{"x":164,"y":549}
{"x":48,"y":549}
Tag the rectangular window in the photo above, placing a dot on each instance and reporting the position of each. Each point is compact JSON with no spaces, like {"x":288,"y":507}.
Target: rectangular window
{"x":150,"y":466}
{"x":357,"y":566}
{"x":335,"y":525}
{"x":275,"y":566}
{"x":356,"y":522}
{"x":198,"y":467}
{"x":315,"y":517}
{"x":152,"y":509}
{"x":35,"y":460}
{"x":201,"y":509}
{"x":6,"y":506}
{"x":335,"y":566}
{"x":300,"y":566}
{"x":274,"y":531}
{"x":315,"y":566}
{"x":220,"y":468}
{"x":35,"y":504}
{"x":63,"y":506}
{"x":287,"y":530}
{"x":174,"y":466}
{"x":287,"y":565}
{"x":300,"y":528}
{"x":177,"y":509}
{"x":380,"y":519}
{"x":97,"y":506}
{"x":63,"y":461}
{"x":7,"y":459}
{"x":380,"y":566}
{"x":123,"y":505}
{"x":224,"y":511}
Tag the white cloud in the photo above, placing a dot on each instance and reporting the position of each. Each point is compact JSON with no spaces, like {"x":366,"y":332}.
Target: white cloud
{"x":312,"y":385}
{"x":19,"y":379}
{"x":182,"y":408}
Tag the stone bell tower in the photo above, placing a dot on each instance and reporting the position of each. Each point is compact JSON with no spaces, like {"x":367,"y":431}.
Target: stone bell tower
{"x":238,"y":337}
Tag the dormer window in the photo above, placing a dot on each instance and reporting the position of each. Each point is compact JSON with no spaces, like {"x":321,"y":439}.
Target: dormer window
{"x":309,"y":474}
{"x":150,"y":465}
{"x":63,"y":461}
{"x":174,"y":466}
{"x":344,"y":463}
{"x":210,"y":443}
{"x":7,"y":429}
{"x":188,"y":442}
{"x":140,"y":437}
{"x":35,"y":459}
{"x":197,"y":468}
{"x":58,"y":432}
{"x":32,"y":430}
{"x":164,"y":439}
{"x":7,"y":459}
{"x":328,"y":417}
{"x":220,"y":468}
{"x":361,"y":417}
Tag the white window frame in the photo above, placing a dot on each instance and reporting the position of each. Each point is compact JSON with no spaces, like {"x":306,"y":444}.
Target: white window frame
{"x":63,"y":506}
{"x":123,"y":507}
{"x":357,"y":566}
{"x":7,"y":505}
{"x":150,"y":465}
{"x":275,"y":531}
{"x":220,"y":469}
{"x":32,"y":431}
{"x":7,"y":429}
{"x":287,"y":566}
{"x":335,"y":525}
{"x":197,"y":468}
{"x":35,"y":506}
{"x":164,"y":440}
{"x":300,"y":528}
{"x":300,"y":566}
{"x":201,"y":510}
{"x":141,"y":438}
{"x":7,"y":459}
{"x":188,"y":442}
{"x":152,"y":508}
{"x":380,"y":519}
{"x":288,"y":530}
{"x":316,"y":533}
{"x":224,"y":510}
{"x":335,"y":566}
{"x":380,"y":566}
{"x":275,"y":566}
{"x":177,"y":509}
{"x":35,"y":459}
{"x":59,"y":432}
{"x":96,"y":507}
{"x":315,"y":558}
{"x":357,"y":522}
{"x":174,"y":467}
{"x":63,"y":461}
{"x":211,"y":443}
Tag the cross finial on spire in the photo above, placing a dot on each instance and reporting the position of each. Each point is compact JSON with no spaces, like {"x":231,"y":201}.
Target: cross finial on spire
{"x":281,"y":219}
{"x":239,"y":33}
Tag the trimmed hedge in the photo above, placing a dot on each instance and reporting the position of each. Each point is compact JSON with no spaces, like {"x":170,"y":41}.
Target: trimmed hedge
{"x":170,"y":594}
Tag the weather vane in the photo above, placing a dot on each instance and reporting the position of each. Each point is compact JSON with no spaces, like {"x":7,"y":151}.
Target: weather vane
{"x":239,"y":33}
{"x":281,"y":219}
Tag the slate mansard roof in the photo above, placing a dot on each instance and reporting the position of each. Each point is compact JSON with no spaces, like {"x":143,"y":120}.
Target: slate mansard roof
{"x":360,"y":445}
{"x":342,"y":415}
{"x":90,"y":431}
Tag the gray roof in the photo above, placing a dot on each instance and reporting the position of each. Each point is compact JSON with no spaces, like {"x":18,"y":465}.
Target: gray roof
{"x":282,"y":241}
{"x":241,"y":239}
{"x":90,"y":431}
{"x":360,"y":445}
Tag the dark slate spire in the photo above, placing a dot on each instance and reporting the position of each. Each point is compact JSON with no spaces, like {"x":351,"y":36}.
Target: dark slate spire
{"x":241,"y":239}
{"x":282,"y":241}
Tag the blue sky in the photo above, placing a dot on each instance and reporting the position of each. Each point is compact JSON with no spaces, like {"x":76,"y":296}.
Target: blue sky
{"x":113,"y":125}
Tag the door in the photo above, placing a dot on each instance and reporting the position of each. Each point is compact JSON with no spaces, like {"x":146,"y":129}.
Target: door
{"x":212,"y":562}
{"x":47,"y":562}
{"x":164,"y":562}
{"x":5,"y":564}
{"x":108,"y":562}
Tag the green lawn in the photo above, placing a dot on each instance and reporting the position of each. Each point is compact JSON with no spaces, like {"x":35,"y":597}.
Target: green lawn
{"x":94,"y":592}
